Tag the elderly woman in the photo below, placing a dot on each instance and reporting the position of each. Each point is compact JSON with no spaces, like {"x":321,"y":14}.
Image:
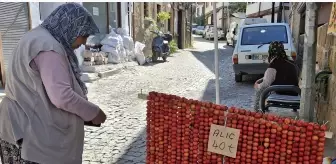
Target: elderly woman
{"x":281,"y":71}
{"x":42,"y":116}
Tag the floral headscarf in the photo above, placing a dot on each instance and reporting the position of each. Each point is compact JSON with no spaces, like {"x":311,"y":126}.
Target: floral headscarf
{"x":65,"y":24}
{"x":276,"y":50}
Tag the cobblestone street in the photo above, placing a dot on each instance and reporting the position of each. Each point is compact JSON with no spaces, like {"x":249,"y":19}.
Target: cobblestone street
{"x":188,"y":73}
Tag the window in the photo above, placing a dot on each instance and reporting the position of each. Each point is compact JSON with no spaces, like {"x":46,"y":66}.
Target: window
{"x":264,"y":35}
{"x":146,"y":9}
{"x":158,"y":9}
{"x":112,"y":6}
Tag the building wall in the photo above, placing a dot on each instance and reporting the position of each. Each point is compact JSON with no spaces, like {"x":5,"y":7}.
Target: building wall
{"x":252,"y":8}
{"x":324,"y":13}
{"x":47,"y":7}
{"x":34,"y":9}
{"x":325,"y":108}
{"x":99,"y":15}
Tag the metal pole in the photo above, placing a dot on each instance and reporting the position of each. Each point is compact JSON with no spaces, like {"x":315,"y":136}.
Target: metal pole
{"x":216,"y":52}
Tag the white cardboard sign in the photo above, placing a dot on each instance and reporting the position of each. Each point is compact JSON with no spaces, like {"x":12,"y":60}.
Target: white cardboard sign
{"x":223,"y":140}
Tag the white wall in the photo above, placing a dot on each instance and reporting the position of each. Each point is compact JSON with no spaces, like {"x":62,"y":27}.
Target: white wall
{"x":47,"y":7}
{"x":254,"y":7}
{"x":269,"y":17}
{"x":34,"y":13}
{"x":124,"y":16}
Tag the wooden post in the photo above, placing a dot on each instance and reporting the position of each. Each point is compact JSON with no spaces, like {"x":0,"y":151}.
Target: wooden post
{"x":307,"y":102}
{"x":2,"y":65}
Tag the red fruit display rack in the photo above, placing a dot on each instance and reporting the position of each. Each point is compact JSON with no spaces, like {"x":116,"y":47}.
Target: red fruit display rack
{"x":178,"y":132}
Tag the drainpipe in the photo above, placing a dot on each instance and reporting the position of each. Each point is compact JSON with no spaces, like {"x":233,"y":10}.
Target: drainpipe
{"x":259,"y":10}
{"x":279,"y":16}
{"x":273,"y":8}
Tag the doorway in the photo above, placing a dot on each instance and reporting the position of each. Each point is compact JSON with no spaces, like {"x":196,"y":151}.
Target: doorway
{"x":179,"y":30}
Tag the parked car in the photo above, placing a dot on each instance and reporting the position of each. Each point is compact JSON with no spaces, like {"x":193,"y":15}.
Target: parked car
{"x":199,"y":30}
{"x":251,"y":52}
{"x":209,"y":34}
{"x":206,"y":28}
{"x":194,"y":27}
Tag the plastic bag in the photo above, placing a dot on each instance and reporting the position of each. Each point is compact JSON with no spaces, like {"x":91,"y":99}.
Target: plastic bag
{"x":107,"y":48}
{"x":121,"y":31}
{"x":79,"y":54}
{"x":94,"y":40}
{"x":111,"y":41}
{"x":139,"y":55}
{"x":113,"y":57}
{"x":122,"y":54}
{"x":128,"y":43}
{"x":130,"y":55}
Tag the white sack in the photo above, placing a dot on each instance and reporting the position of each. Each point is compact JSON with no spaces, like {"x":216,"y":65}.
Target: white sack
{"x":107,"y":48}
{"x":128,"y":43}
{"x":122,"y":54}
{"x":111,"y":41}
{"x":93,"y":40}
{"x":139,"y":55}
{"x":130,"y":55}
{"x":79,"y":54}
{"x":121,"y":31}
{"x":113,"y":57}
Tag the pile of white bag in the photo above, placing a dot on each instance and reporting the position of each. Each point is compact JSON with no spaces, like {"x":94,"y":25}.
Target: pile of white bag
{"x":119,"y":46}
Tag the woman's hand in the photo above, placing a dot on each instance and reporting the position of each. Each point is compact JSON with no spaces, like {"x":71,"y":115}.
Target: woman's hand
{"x":100,"y":118}
{"x":256,"y":85}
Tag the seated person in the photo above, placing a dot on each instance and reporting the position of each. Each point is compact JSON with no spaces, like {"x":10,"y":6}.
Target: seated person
{"x":281,"y":71}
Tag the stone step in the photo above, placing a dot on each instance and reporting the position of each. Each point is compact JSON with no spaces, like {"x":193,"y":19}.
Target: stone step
{"x":89,"y":77}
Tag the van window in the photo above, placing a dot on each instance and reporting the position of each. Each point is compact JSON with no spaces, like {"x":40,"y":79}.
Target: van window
{"x":264,"y":35}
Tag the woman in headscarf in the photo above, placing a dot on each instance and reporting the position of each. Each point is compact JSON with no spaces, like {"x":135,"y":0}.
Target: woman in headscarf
{"x":281,"y":71}
{"x":42,"y":116}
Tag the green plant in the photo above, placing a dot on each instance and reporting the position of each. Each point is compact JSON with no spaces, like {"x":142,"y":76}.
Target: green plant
{"x":163,"y":16}
{"x":173,"y":46}
{"x":237,"y":7}
{"x":151,"y":23}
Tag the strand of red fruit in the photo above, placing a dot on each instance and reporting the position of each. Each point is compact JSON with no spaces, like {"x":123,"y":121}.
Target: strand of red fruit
{"x":178,"y":133}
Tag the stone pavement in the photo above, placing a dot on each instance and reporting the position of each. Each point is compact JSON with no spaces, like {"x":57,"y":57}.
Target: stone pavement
{"x":121,"y":139}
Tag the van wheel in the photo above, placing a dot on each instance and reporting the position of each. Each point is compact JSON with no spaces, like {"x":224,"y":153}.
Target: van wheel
{"x":238,"y":78}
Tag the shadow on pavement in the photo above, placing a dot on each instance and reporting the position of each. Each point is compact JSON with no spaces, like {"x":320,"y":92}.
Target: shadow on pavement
{"x":135,"y":153}
{"x":199,"y":38}
{"x":231,"y":93}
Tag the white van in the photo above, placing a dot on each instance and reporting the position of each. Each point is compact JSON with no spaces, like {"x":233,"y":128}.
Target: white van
{"x":251,"y":52}
{"x":232,"y":33}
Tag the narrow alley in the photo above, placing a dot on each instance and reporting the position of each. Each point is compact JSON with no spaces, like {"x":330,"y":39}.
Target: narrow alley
{"x":189,"y":73}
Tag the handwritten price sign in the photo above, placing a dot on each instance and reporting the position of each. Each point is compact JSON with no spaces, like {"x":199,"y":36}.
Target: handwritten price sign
{"x":223,"y":140}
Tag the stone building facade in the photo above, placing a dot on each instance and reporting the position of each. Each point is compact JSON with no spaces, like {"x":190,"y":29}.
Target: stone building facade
{"x":325,"y":83}
{"x":142,"y":27}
